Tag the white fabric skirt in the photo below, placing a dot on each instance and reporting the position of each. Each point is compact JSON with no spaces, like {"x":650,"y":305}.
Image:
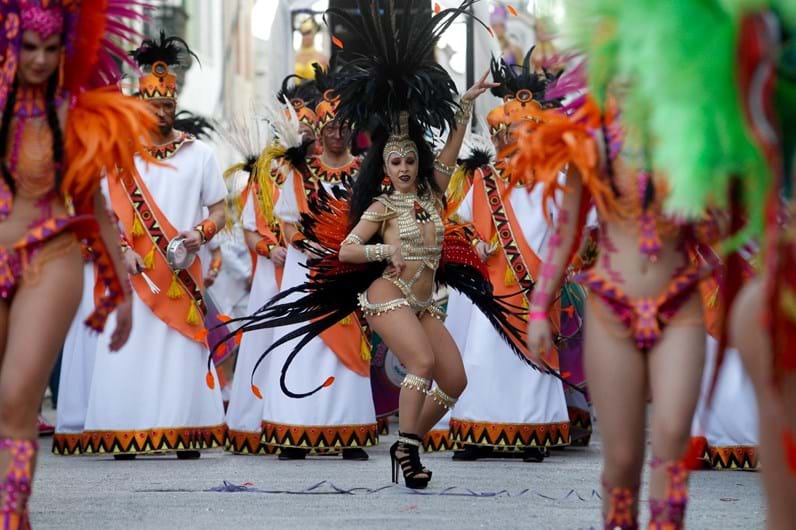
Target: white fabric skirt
{"x":339,"y":416}
{"x":507,"y":404}
{"x":152,"y":395}
{"x":77,"y":367}
{"x":245,"y":410}
{"x":730,"y":425}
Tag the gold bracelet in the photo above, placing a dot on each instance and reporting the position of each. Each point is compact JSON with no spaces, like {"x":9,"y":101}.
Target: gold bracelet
{"x":444,"y":168}
{"x":352,"y":239}
{"x":462,"y":115}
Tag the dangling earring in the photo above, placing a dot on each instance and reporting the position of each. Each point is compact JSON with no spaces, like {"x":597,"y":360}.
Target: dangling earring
{"x":386,"y":184}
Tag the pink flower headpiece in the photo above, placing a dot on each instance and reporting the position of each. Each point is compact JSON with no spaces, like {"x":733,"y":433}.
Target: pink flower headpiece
{"x":45,"y":22}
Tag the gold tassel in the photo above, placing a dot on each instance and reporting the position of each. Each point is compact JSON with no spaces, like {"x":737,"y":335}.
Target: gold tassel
{"x":345,"y":321}
{"x":193,"y":315}
{"x":713,"y":298}
{"x":509,"y":279}
{"x":138,"y":228}
{"x":175,"y":291}
{"x":364,"y":348}
{"x":149,"y":259}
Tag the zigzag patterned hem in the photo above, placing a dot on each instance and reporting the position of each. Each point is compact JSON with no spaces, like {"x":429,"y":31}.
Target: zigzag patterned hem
{"x":510,"y":435}
{"x":439,"y":440}
{"x":319,"y":439}
{"x":383,"y":425}
{"x":580,"y":426}
{"x":742,"y":457}
{"x":68,"y":444}
{"x":154,"y":440}
{"x":247,"y":443}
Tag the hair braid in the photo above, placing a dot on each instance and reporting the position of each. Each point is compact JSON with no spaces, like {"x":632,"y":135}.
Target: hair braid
{"x":55,"y":129}
{"x":5,"y":130}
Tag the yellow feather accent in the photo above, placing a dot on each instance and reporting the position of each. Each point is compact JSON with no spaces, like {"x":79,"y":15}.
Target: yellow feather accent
{"x":149,"y":259}
{"x":261,"y":174}
{"x":455,"y":192}
{"x":509,"y":279}
{"x":175,"y":291}
{"x":138,"y":228}
{"x":364,"y":348}
{"x":345,"y":321}
{"x":193,"y":315}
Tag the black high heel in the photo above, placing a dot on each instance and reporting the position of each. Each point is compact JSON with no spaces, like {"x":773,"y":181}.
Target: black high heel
{"x":415,"y":476}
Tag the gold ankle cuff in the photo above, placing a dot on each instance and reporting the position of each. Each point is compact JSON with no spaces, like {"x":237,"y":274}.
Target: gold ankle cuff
{"x":442,"y":399}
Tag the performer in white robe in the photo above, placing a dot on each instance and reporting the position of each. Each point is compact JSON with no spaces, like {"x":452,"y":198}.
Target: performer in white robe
{"x":245,"y":411}
{"x":727,"y":432}
{"x":157,"y":393}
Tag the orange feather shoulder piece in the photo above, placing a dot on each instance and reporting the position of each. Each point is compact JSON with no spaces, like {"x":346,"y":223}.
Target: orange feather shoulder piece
{"x":558,"y":141}
{"x":104,"y":131}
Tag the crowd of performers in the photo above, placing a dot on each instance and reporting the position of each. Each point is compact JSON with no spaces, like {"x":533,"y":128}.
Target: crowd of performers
{"x":625,"y":220}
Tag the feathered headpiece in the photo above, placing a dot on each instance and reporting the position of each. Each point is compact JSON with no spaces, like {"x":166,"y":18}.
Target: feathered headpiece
{"x":325,"y":82}
{"x":523,"y":92}
{"x":89,"y":29}
{"x":397,"y":75}
{"x":156,"y":59}
{"x":302,"y":95}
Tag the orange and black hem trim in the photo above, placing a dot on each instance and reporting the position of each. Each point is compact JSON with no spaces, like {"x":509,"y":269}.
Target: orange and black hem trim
{"x":154,"y":440}
{"x":383,"y":425}
{"x":734,"y":457}
{"x":439,"y":440}
{"x":580,"y":426}
{"x":510,"y":435}
{"x":319,"y":439}
{"x":247,"y":443}
{"x":65,"y":444}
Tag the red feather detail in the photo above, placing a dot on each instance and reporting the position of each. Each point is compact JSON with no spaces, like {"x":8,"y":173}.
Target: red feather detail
{"x":210,"y":380}
{"x":337,"y":42}
{"x":512,"y":10}
{"x":329,"y":382}
{"x":256,"y":392}
{"x":437,"y":8}
{"x":457,"y":248}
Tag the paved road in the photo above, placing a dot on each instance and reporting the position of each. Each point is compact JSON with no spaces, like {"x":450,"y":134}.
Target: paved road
{"x":161,"y":492}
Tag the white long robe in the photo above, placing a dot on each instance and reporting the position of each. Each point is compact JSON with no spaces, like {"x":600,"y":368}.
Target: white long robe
{"x":343,"y":413}
{"x":245,"y":410}
{"x":503,"y":392}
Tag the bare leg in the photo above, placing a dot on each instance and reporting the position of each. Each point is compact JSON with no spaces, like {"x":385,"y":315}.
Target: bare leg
{"x":616,"y":372}
{"x":774,"y":409}
{"x":39,"y":318}
{"x":675,"y":372}
{"x":407,"y":339}
{"x":448,"y":372}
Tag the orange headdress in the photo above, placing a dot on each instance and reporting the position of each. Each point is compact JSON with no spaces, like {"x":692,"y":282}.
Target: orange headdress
{"x":156,"y":60}
{"x":301,"y":95}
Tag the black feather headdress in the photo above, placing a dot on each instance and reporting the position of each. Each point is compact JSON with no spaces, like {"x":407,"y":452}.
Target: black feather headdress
{"x":296,"y":88}
{"x":398,"y":72}
{"x":169,"y":50}
{"x":198,"y":126}
{"x":520,"y":82}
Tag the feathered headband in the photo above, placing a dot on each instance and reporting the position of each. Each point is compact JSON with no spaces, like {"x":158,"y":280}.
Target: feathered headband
{"x":89,"y":29}
{"x":398,"y":73}
{"x":156,"y":59}
{"x":325,"y":82}
{"x":523,"y":92}
{"x":302,"y":95}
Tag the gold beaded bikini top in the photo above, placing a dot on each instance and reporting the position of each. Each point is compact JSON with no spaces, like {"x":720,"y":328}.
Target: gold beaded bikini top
{"x":412,"y":212}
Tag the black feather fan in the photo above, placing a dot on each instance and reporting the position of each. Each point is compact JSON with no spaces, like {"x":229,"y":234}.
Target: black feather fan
{"x":170,"y":50}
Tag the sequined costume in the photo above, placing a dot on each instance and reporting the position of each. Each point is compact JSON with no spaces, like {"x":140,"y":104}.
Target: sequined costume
{"x":59,"y":139}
